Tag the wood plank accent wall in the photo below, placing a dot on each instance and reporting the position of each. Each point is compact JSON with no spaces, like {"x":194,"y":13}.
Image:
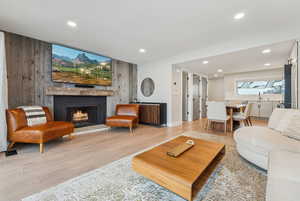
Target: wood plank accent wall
{"x":28,"y":70}
{"x":29,"y":75}
{"x":133,"y":82}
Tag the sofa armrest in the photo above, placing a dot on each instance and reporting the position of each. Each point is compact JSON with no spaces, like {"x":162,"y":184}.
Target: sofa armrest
{"x":283,"y":176}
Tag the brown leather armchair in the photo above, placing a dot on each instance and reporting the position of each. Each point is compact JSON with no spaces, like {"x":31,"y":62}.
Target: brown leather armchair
{"x":19,"y":131}
{"x":127,"y":115}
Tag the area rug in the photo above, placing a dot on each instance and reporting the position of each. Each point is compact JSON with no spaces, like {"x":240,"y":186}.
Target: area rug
{"x":233,"y":180}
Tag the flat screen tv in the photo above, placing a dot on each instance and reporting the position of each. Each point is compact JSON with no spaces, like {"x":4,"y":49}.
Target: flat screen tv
{"x":80,"y":67}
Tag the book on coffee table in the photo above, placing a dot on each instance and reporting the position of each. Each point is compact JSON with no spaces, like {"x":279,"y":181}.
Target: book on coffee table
{"x":178,"y":150}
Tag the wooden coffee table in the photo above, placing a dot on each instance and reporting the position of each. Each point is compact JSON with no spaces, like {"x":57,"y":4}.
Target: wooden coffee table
{"x":184,"y":175}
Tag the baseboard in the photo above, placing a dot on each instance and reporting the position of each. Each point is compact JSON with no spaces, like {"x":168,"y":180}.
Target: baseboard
{"x":90,"y":129}
{"x":174,"y":124}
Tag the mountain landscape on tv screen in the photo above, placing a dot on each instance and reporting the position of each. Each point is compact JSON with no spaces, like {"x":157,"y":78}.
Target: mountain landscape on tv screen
{"x":75,"y":66}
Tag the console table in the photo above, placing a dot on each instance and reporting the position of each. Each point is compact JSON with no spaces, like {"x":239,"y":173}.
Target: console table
{"x":152,"y":113}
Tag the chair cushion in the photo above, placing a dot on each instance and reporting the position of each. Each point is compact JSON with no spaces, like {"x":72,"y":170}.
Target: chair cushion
{"x":219,"y":120}
{"x":121,"y":120}
{"x":238,"y":116}
{"x":45,"y":132}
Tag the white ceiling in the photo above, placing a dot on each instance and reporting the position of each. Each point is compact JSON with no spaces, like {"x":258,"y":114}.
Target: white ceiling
{"x":165,"y":28}
{"x":242,"y":61}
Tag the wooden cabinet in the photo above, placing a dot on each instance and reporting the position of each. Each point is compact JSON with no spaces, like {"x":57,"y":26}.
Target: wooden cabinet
{"x":153,"y":113}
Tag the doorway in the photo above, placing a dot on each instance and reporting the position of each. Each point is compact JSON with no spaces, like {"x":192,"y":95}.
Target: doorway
{"x":185,"y":96}
{"x":196,"y":97}
{"x":203,"y":97}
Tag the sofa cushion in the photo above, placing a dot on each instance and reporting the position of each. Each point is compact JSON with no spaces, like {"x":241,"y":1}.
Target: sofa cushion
{"x":283,"y":176}
{"x":44,"y":132}
{"x":280,"y":118}
{"x":275,"y":117}
{"x":262,"y":140}
{"x":293,"y":128}
{"x":286,"y":118}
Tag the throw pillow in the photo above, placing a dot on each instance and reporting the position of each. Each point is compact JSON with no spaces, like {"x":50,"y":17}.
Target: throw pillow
{"x":293,"y":128}
{"x":275,"y":117}
{"x":285,"y":120}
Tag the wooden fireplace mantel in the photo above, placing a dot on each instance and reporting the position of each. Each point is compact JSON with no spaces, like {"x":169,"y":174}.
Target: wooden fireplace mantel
{"x":62,"y":91}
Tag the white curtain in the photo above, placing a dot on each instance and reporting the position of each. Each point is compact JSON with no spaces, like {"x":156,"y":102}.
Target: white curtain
{"x":3,"y":94}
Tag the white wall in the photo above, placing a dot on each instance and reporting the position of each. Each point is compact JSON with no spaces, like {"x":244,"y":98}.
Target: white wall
{"x":176,"y":98}
{"x":216,"y":89}
{"x":230,"y":83}
{"x":3,"y":94}
{"x":161,"y":74}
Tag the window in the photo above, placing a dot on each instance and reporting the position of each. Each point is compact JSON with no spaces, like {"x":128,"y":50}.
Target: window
{"x":259,"y":86}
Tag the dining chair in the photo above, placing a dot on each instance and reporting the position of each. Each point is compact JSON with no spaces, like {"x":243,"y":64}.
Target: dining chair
{"x":243,"y":116}
{"x":216,"y":112}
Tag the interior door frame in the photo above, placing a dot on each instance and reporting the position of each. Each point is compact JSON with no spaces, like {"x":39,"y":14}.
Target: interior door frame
{"x":203,"y":100}
{"x":196,"y":97}
{"x":185,"y":96}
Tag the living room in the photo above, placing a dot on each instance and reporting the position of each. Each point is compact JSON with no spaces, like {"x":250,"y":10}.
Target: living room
{"x":139,"y":100}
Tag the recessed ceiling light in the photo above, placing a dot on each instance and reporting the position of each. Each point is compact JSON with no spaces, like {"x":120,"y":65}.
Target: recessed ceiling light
{"x":71,"y":24}
{"x":220,"y":70}
{"x":142,"y":50}
{"x":216,"y":75}
{"x":266,"y":51}
{"x":239,"y":16}
{"x":267,"y":64}
{"x":205,"y":62}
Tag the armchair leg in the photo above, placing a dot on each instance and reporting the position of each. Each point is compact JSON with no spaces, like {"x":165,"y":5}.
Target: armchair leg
{"x":71,"y":137}
{"x":207,"y":124}
{"x":42,"y":148}
{"x":249,"y":120}
{"x":10,"y":146}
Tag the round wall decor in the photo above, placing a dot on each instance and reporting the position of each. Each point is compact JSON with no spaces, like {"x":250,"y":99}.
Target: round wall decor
{"x":147,"y":87}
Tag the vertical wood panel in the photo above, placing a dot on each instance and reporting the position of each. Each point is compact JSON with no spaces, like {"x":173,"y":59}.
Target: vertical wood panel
{"x":132,"y":82}
{"x":28,"y":63}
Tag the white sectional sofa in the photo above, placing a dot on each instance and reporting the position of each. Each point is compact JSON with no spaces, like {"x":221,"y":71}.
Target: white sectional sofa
{"x":271,"y":149}
{"x":283,"y":176}
{"x":255,"y":143}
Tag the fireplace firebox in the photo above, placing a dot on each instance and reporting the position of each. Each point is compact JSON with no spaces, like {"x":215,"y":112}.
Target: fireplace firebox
{"x":80,"y":110}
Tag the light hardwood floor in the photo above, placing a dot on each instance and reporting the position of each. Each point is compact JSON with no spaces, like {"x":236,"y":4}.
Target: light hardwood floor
{"x":30,"y":172}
